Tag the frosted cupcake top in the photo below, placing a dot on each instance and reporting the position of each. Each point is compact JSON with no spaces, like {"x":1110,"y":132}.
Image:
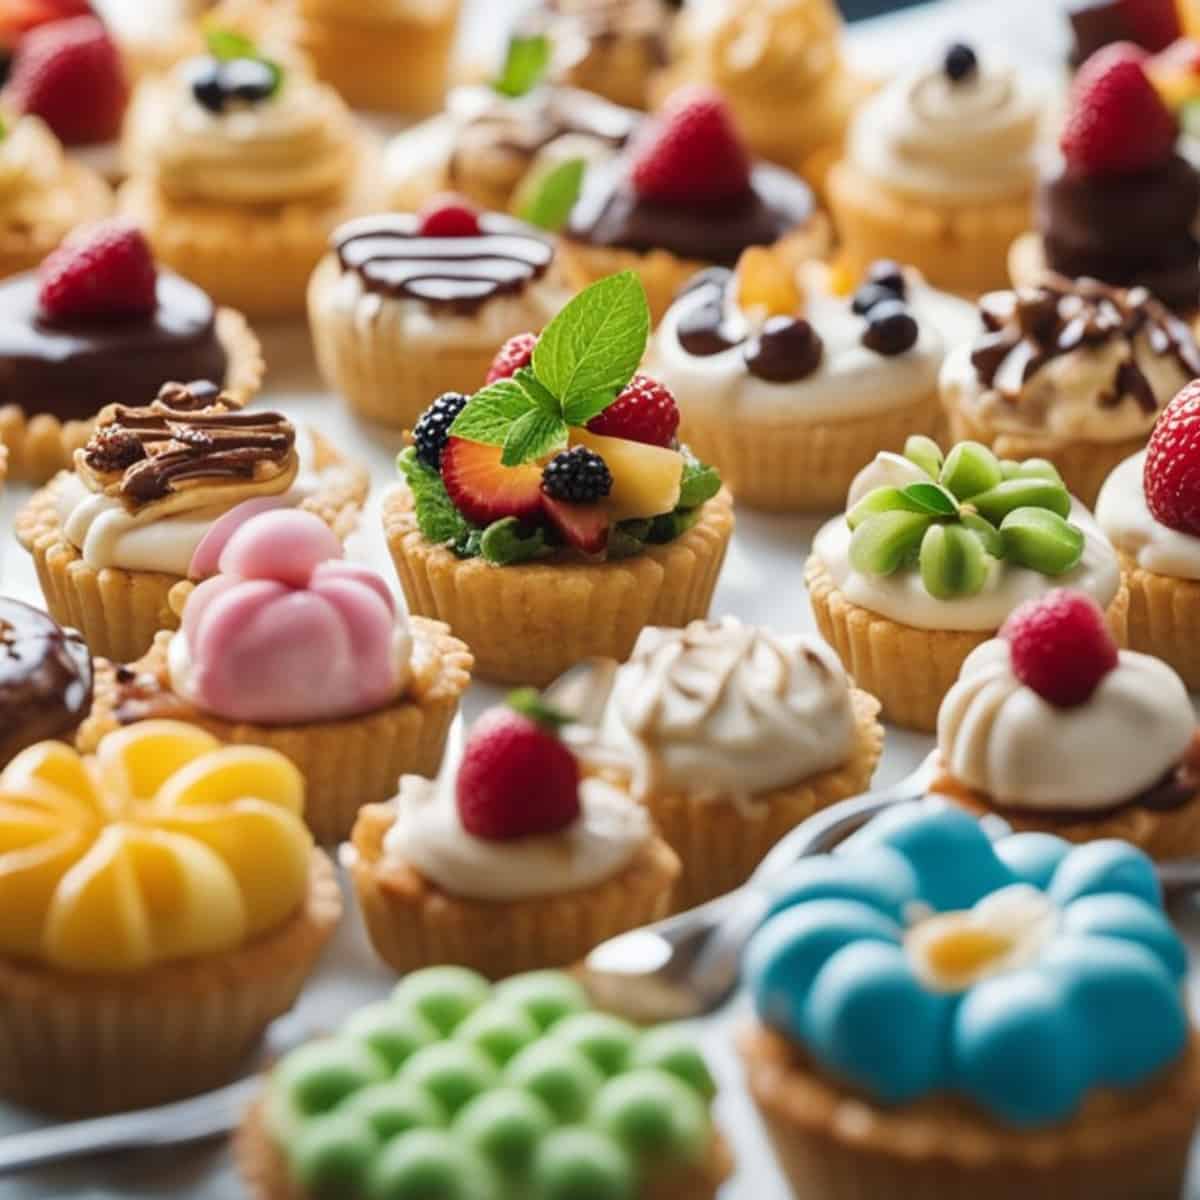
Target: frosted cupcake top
{"x":32,"y":177}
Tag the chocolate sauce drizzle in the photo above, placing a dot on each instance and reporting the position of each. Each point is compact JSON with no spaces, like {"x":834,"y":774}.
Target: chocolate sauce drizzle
{"x":461,"y":274}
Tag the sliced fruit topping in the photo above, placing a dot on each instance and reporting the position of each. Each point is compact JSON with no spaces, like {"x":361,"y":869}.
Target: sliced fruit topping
{"x":516,"y":353}
{"x":449,"y":216}
{"x":103,"y":270}
{"x":1171,"y":477}
{"x":646,"y":479}
{"x":578,"y":476}
{"x":432,"y":429}
{"x":584,"y":527}
{"x":767,"y":283}
{"x":483,"y":489}
{"x":645,"y":411}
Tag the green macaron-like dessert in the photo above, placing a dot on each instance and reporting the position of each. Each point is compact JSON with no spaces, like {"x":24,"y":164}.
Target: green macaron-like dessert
{"x":457,"y":1089}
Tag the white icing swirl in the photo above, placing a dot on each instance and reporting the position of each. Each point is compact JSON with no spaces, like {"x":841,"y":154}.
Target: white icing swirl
{"x":428,"y":836}
{"x":1124,"y":515}
{"x":727,"y":711}
{"x":1000,"y":737}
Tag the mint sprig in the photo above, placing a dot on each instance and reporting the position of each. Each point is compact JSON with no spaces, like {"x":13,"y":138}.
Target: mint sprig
{"x":525,"y":64}
{"x":437,"y":518}
{"x":226,"y":45}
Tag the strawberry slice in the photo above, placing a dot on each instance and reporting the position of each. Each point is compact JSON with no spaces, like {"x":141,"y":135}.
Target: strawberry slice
{"x":584,"y":527}
{"x":483,"y":489}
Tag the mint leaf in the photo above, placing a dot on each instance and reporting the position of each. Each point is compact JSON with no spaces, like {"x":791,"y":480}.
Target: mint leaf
{"x":227,"y":44}
{"x":490,"y":413}
{"x":700,"y":482}
{"x":532,"y":436}
{"x":507,"y":541}
{"x":932,"y":498}
{"x":590,"y":351}
{"x":540,"y":395}
{"x":524,"y":65}
{"x":550,"y":199}
{"x":437,"y":518}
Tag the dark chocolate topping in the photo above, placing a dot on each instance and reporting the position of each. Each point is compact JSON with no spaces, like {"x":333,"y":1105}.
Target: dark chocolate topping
{"x":1096,"y":23}
{"x":891,"y":328}
{"x":788,"y":349}
{"x":72,"y":370}
{"x":461,"y":274}
{"x":700,"y":329}
{"x":45,"y":678}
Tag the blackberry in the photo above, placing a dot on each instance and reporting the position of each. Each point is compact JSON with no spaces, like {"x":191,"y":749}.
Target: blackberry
{"x":891,"y":329}
{"x":869,"y":295}
{"x":960,"y":62}
{"x":578,"y":476}
{"x":885,"y":273}
{"x":432,"y":429}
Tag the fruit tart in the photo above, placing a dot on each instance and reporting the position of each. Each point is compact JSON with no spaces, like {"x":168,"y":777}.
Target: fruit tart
{"x":553,"y":515}
{"x":288,"y":646}
{"x":407,"y":306}
{"x":164,"y":904}
{"x":452,"y":1087}
{"x":111,"y":538}
{"x":931,"y":556}
{"x":510,"y":860}
{"x":943,"y":1016}
{"x":97,"y":323}
{"x":1074,"y":371}
{"x":686,"y":195}
{"x":789,"y":386}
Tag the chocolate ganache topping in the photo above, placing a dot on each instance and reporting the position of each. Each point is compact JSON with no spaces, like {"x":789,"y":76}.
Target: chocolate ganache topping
{"x":45,"y":678}
{"x":392,"y":258}
{"x":73,"y":369}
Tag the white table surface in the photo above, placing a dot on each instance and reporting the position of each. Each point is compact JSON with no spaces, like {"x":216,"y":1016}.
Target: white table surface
{"x":762,"y":582}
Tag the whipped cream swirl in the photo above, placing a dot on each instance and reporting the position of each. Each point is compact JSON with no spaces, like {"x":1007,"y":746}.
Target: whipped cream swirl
{"x":1000,"y":737}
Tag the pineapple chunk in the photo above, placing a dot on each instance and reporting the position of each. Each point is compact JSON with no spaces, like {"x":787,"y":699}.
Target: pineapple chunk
{"x":646,"y":479}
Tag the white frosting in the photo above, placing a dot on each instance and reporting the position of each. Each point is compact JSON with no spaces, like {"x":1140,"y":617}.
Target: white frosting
{"x":1000,"y":737}
{"x":851,"y":380}
{"x":902,"y":597}
{"x":428,"y":836}
{"x":727,"y":711}
{"x":1124,"y":515}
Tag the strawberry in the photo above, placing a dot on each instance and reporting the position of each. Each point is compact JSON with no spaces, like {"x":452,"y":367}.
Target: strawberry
{"x":483,"y":489}
{"x":691,"y":153}
{"x":516,"y":353}
{"x":644,"y":412}
{"x":102,"y":270}
{"x":517,"y":779}
{"x":1152,"y":23}
{"x":1117,"y":124}
{"x":1060,"y":646}
{"x":584,"y":527}
{"x":70,"y":74}
{"x":1171,"y":476}
{"x":448,"y":216}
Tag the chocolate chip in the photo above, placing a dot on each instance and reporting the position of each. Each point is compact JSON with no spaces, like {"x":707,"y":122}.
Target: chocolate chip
{"x":869,"y":295}
{"x":788,"y":349}
{"x":891,"y":329}
{"x":887,"y":273}
{"x":960,"y":62}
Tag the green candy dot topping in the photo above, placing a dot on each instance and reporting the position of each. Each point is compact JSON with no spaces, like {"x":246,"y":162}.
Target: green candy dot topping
{"x":395,"y":1107}
{"x":393,"y":1032}
{"x":504,"y":1127}
{"x":582,"y":1164}
{"x":952,"y":561}
{"x":334,"y":1155}
{"x":560,"y":1076}
{"x":672,"y":1048}
{"x":925,"y":452}
{"x":969,"y":469}
{"x":547,"y":996}
{"x":500,"y":1030}
{"x":1041,"y":540}
{"x":429,"y":1164}
{"x":451,"y":1072}
{"x":606,"y":1041}
{"x":653,"y":1115}
{"x":317,"y":1077}
{"x":884,"y":543}
{"x":444,"y":996}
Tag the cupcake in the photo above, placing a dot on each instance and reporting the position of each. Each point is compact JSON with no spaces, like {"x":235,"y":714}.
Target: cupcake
{"x":946,"y":1017}
{"x":932,"y":555}
{"x":1120,"y":203}
{"x":290,"y":647}
{"x":770,"y":57}
{"x":97,"y":324}
{"x":685,"y":196}
{"x":111,"y":538}
{"x":1073,"y":371}
{"x":405,"y":307}
{"x":509,"y":861}
{"x":45,"y":678}
{"x":939,"y":173}
{"x":1150,"y":509}
{"x":551,"y":517}
{"x":790,"y":388}
{"x":730,"y":736}
{"x":164,"y":904}
{"x":240,"y":170}
{"x":454,"y":1088}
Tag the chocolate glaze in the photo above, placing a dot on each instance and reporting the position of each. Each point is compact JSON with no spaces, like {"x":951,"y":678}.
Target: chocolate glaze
{"x":610,"y":213}
{"x":700,"y":330}
{"x":459,"y":274}
{"x":1126,"y":229}
{"x":73,"y":369}
{"x":45,"y":678}
{"x":1099,"y":23}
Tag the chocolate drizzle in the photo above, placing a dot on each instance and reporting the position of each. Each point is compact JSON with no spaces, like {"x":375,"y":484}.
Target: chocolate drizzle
{"x":700,"y":329}
{"x":461,"y":274}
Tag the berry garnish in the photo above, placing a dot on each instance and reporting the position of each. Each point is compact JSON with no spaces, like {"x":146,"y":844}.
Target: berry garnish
{"x":1152,"y":23}
{"x":1171,"y":477}
{"x":1060,"y":646}
{"x":483,"y":489}
{"x":517,"y":778}
{"x":448,"y":216}
{"x":105,"y":270}
{"x":785,"y":350}
{"x":691,"y":153}
{"x":885,"y":273}
{"x":516,"y":353}
{"x":70,"y":74}
{"x":433,"y":427}
{"x":891,"y":328}
{"x":216,"y":83}
{"x":869,"y":295}
{"x":644,"y":412}
{"x":960,"y":62}
{"x":1117,"y":123}
{"x":584,"y":527}
{"x":578,"y":476}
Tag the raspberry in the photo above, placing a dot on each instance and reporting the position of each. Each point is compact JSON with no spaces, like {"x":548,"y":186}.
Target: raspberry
{"x":644,"y":412}
{"x":578,"y":476}
{"x":516,"y":353}
{"x":432,"y":429}
{"x":691,"y":153}
{"x":1060,"y":646}
{"x":1171,"y":477}
{"x":70,"y":74}
{"x":448,"y":216}
{"x":103,"y":270}
{"x":517,"y":779}
{"x":1117,"y":124}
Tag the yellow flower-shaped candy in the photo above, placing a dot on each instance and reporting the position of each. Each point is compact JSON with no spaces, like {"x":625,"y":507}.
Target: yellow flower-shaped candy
{"x":165,"y":845}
